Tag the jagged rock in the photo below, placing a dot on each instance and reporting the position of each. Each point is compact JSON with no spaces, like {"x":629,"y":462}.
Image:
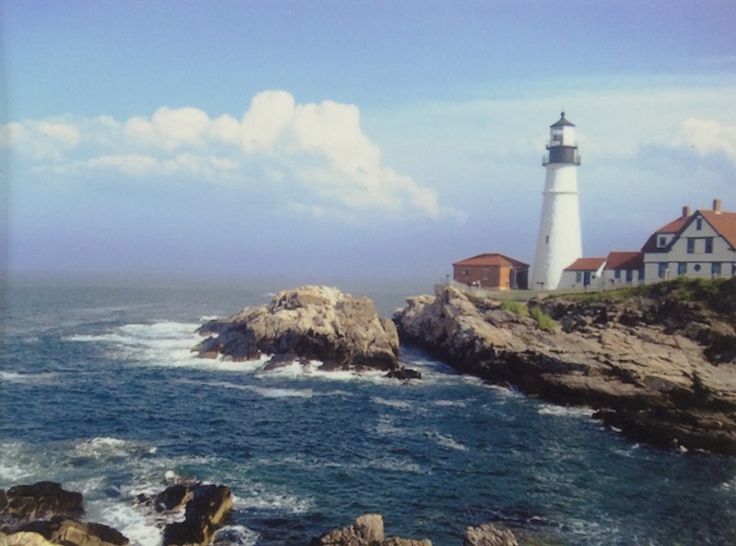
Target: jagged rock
{"x":366,"y":531}
{"x":404,"y":374}
{"x":172,"y":497}
{"x":635,"y":361}
{"x":41,"y":500}
{"x":489,"y":534}
{"x":310,"y":323}
{"x":69,"y":532}
{"x":205,"y":511}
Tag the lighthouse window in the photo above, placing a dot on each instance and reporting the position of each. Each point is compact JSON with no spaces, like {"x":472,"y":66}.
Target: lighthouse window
{"x":546,"y":239}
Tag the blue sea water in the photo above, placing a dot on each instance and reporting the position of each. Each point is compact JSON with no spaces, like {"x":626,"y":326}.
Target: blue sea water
{"x":99,"y":391}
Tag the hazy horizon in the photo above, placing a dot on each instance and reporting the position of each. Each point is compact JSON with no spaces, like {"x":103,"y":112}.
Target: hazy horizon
{"x":349,"y":142}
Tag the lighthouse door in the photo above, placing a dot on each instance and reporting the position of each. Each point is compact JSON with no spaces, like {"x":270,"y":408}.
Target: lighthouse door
{"x":586,"y":278}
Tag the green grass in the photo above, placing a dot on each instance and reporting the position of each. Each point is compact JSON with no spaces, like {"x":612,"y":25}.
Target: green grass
{"x":515,"y":307}
{"x":544,"y":321}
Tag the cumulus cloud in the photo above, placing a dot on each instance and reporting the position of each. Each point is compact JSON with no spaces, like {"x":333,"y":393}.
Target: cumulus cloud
{"x":319,"y":150}
{"x":707,"y":137}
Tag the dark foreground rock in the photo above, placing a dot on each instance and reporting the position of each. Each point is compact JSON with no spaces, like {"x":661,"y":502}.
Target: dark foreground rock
{"x":43,"y":513}
{"x":206,"y":510}
{"x":307,"y":323}
{"x":366,"y":531}
{"x":655,"y":366}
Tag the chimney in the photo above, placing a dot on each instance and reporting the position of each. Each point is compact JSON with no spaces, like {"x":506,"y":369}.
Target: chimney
{"x":717,"y":206}
{"x":686,"y":212}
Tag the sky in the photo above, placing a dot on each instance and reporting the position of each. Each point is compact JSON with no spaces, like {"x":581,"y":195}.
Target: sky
{"x":321,"y":140}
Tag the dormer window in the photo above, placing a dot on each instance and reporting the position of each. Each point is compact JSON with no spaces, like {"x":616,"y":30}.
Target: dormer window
{"x":662,"y":241}
{"x":699,"y":224}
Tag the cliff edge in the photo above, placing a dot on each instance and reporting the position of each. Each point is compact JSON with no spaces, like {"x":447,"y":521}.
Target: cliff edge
{"x":658,"y":362}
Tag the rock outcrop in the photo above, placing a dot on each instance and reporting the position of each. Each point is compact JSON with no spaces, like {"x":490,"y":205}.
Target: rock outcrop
{"x":658,"y":367}
{"x":42,"y":514}
{"x":366,"y":531}
{"x":206,"y":508}
{"x":307,"y":323}
{"x":489,"y":534}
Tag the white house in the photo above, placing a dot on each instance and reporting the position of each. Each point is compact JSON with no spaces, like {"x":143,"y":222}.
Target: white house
{"x":701,"y":244}
{"x":623,"y":268}
{"x":583,"y":273}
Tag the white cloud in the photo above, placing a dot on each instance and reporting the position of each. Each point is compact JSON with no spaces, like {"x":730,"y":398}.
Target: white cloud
{"x":707,"y":137}
{"x":324,"y":160}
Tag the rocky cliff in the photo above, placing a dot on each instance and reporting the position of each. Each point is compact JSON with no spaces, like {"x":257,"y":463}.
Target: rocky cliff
{"x":657,"y":362}
{"x":307,"y":323}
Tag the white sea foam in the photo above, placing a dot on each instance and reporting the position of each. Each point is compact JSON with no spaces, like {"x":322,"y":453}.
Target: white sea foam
{"x":260,"y":498}
{"x":238,"y":535}
{"x":386,"y":427}
{"x":392,"y":464}
{"x":27,"y":378}
{"x":445,"y":441}
{"x":564,"y":411}
{"x":140,"y":528}
{"x":450,"y":403}
{"x":103,"y":447}
{"x":398,"y":404}
{"x":267,"y":392}
{"x":207,"y":318}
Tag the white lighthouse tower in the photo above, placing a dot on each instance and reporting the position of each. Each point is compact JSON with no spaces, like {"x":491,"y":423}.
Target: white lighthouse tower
{"x":559,"y":242}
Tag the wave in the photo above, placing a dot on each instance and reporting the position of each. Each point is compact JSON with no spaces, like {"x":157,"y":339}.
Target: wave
{"x":28,"y":378}
{"x":261,"y":498}
{"x":450,"y":403}
{"x":564,"y":411}
{"x":236,"y":535}
{"x":445,"y":441}
{"x":392,"y":403}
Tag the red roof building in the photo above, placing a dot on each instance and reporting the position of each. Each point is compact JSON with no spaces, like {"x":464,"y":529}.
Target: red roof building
{"x":493,"y":271}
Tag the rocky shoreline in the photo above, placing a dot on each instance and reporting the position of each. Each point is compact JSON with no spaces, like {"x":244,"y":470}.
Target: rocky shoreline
{"x":656,"y":365}
{"x":45,"y":514}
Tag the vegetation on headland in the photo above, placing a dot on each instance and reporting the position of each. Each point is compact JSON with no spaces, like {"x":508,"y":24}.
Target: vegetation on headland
{"x":718,"y":295}
{"x":515,"y":307}
{"x":544,"y":321}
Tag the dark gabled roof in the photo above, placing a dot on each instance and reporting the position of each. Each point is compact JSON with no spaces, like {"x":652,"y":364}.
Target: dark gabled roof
{"x":674,"y":227}
{"x":724,"y":223}
{"x":625,"y":260}
{"x":491,"y":259}
{"x":562,"y":122}
{"x":586,"y":264}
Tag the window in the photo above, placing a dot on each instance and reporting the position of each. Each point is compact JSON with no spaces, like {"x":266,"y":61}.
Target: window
{"x":546,"y":239}
{"x":733,"y":268}
{"x":699,"y":224}
{"x":629,"y":275}
{"x":690,"y":245}
{"x":617,"y":273}
{"x":486,"y":274}
{"x":465,"y":272}
{"x":662,"y":241}
{"x":697,"y":267}
{"x":681,"y":268}
{"x":662,"y":270}
{"x":578,"y":276}
{"x":709,"y":245}
{"x":715,"y":268}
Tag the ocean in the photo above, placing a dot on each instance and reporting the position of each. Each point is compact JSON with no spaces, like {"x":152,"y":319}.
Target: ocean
{"x":100,"y":392}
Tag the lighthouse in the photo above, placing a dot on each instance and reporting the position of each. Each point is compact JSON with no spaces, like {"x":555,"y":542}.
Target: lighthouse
{"x":559,"y":242}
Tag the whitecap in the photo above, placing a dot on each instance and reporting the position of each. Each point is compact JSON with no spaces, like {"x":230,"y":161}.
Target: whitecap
{"x":259,"y":498}
{"x":104,"y":446}
{"x":392,"y":464}
{"x":450,"y":403}
{"x":27,"y":378}
{"x":267,"y":392}
{"x":445,"y":441}
{"x":564,"y":411}
{"x":386,"y":427}
{"x":138,"y":527}
{"x":238,"y":535}
{"x":399,"y":404}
